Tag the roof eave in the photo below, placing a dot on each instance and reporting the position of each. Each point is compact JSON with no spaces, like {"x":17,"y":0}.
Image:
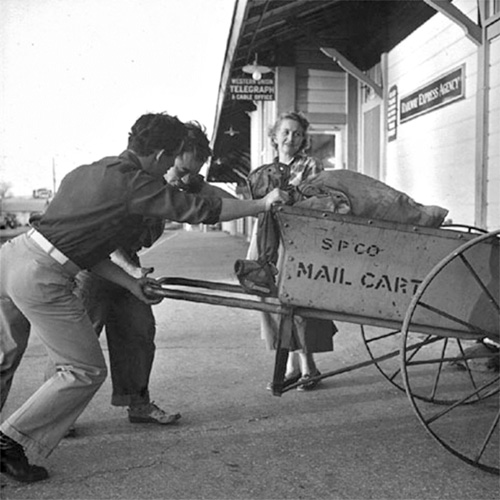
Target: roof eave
{"x":240,"y":14}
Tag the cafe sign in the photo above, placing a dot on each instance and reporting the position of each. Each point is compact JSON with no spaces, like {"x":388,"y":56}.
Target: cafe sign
{"x":441,"y":92}
{"x":248,"y":89}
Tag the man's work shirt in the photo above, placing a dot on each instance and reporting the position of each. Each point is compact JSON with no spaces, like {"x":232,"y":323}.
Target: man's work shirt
{"x":99,"y":208}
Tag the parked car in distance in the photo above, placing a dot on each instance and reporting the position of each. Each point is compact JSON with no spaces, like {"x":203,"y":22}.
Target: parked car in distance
{"x":8,"y":221}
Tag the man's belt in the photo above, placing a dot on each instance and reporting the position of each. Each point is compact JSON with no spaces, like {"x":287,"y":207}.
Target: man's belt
{"x":51,"y":250}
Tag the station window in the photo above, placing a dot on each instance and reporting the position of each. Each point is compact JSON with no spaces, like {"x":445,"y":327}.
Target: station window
{"x":327,"y":146}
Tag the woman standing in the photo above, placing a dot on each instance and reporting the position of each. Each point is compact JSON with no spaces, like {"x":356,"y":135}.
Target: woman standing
{"x":290,"y":167}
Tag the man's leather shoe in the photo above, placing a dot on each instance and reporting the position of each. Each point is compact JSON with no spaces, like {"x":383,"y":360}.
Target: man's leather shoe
{"x":150,"y":413}
{"x":14,"y":463}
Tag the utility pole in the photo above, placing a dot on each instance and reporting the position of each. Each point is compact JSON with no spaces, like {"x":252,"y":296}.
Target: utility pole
{"x":53,"y":177}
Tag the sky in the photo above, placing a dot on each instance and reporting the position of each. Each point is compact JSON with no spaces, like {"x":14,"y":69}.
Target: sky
{"x":76,"y":74}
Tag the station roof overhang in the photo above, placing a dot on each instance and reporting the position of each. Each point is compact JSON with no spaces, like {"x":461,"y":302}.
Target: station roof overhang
{"x":358,"y":31}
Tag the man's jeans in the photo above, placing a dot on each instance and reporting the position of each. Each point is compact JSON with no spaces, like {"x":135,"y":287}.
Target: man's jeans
{"x":35,"y":290}
{"x":130,"y":332}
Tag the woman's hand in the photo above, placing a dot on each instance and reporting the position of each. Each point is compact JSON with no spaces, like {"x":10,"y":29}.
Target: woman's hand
{"x":276,"y":197}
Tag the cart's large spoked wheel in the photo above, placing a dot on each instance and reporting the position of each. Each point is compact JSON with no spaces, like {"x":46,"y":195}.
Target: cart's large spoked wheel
{"x":463,"y":368}
{"x":381,"y":343}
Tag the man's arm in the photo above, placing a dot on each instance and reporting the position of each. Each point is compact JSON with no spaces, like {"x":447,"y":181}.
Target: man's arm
{"x":122,"y":259}
{"x":234,"y":209}
{"x":206,"y":189}
{"x":110,"y":271}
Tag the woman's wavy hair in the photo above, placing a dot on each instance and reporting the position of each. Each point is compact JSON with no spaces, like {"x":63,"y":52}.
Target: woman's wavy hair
{"x":155,"y":131}
{"x":297,"y":116}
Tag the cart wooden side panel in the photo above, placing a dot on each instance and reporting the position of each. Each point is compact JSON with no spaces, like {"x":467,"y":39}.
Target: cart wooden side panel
{"x":367,"y":272}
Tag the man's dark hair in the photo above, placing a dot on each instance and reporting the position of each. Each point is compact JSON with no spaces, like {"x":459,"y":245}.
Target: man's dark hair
{"x":154,"y":131}
{"x":196,"y":141}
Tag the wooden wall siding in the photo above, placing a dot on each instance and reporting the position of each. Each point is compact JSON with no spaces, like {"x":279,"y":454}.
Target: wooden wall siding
{"x":433,"y":157}
{"x":493,"y":174}
{"x":320,"y":83}
{"x":320,"y":91}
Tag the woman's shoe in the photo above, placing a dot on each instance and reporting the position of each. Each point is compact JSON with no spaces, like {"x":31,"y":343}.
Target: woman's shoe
{"x":312,"y":384}
{"x":289,"y":380}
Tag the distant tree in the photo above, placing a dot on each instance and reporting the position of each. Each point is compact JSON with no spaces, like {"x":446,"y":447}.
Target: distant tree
{"x":5,"y":189}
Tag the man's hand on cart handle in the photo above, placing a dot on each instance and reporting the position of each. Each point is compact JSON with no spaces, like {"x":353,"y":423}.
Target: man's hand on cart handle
{"x":276,"y":197}
{"x":147,"y":284}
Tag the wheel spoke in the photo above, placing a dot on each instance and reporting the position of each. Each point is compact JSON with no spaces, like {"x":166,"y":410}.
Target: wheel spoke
{"x":429,"y":339}
{"x":434,"y":361}
{"x":381,"y":337}
{"x":480,"y":282}
{"x":472,"y":328}
{"x":390,"y":371}
{"x":487,"y":438}
{"x":438,"y":372}
{"x":450,"y":408}
{"x":442,"y":359}
{"x":466,"y":361}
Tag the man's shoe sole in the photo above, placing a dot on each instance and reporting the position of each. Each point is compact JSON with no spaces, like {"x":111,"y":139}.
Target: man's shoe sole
{"x":150,"y":420}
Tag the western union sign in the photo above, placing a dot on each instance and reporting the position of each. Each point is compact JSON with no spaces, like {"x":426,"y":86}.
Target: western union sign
{"x":248,"y":89}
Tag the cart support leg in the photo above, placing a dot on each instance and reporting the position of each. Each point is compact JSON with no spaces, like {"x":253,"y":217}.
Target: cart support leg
{"x":284,"y":340}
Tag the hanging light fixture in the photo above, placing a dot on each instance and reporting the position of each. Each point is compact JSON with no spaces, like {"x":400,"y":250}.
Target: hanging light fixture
{"x":256,"y":70}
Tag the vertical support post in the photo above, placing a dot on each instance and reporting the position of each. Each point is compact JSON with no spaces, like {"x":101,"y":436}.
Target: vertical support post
{"x":384,"y":63}
{"x":481,"y":158}
{"x":352,"y":123}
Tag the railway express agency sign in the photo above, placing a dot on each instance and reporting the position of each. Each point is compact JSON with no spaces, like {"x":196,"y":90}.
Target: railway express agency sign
{"x":440,"y":92}
{"x":248,"y":89}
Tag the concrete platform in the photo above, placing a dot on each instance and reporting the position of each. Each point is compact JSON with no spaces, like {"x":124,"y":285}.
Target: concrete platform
{"x":355,"y":437}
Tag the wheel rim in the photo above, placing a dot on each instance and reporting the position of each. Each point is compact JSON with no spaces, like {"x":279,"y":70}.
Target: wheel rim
{"x":378,"y":342}
{"x":465,"y":228}
{"x":461,"y":373}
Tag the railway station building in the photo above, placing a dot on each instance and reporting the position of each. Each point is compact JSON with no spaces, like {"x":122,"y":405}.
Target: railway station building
{"x":405,"y":91}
